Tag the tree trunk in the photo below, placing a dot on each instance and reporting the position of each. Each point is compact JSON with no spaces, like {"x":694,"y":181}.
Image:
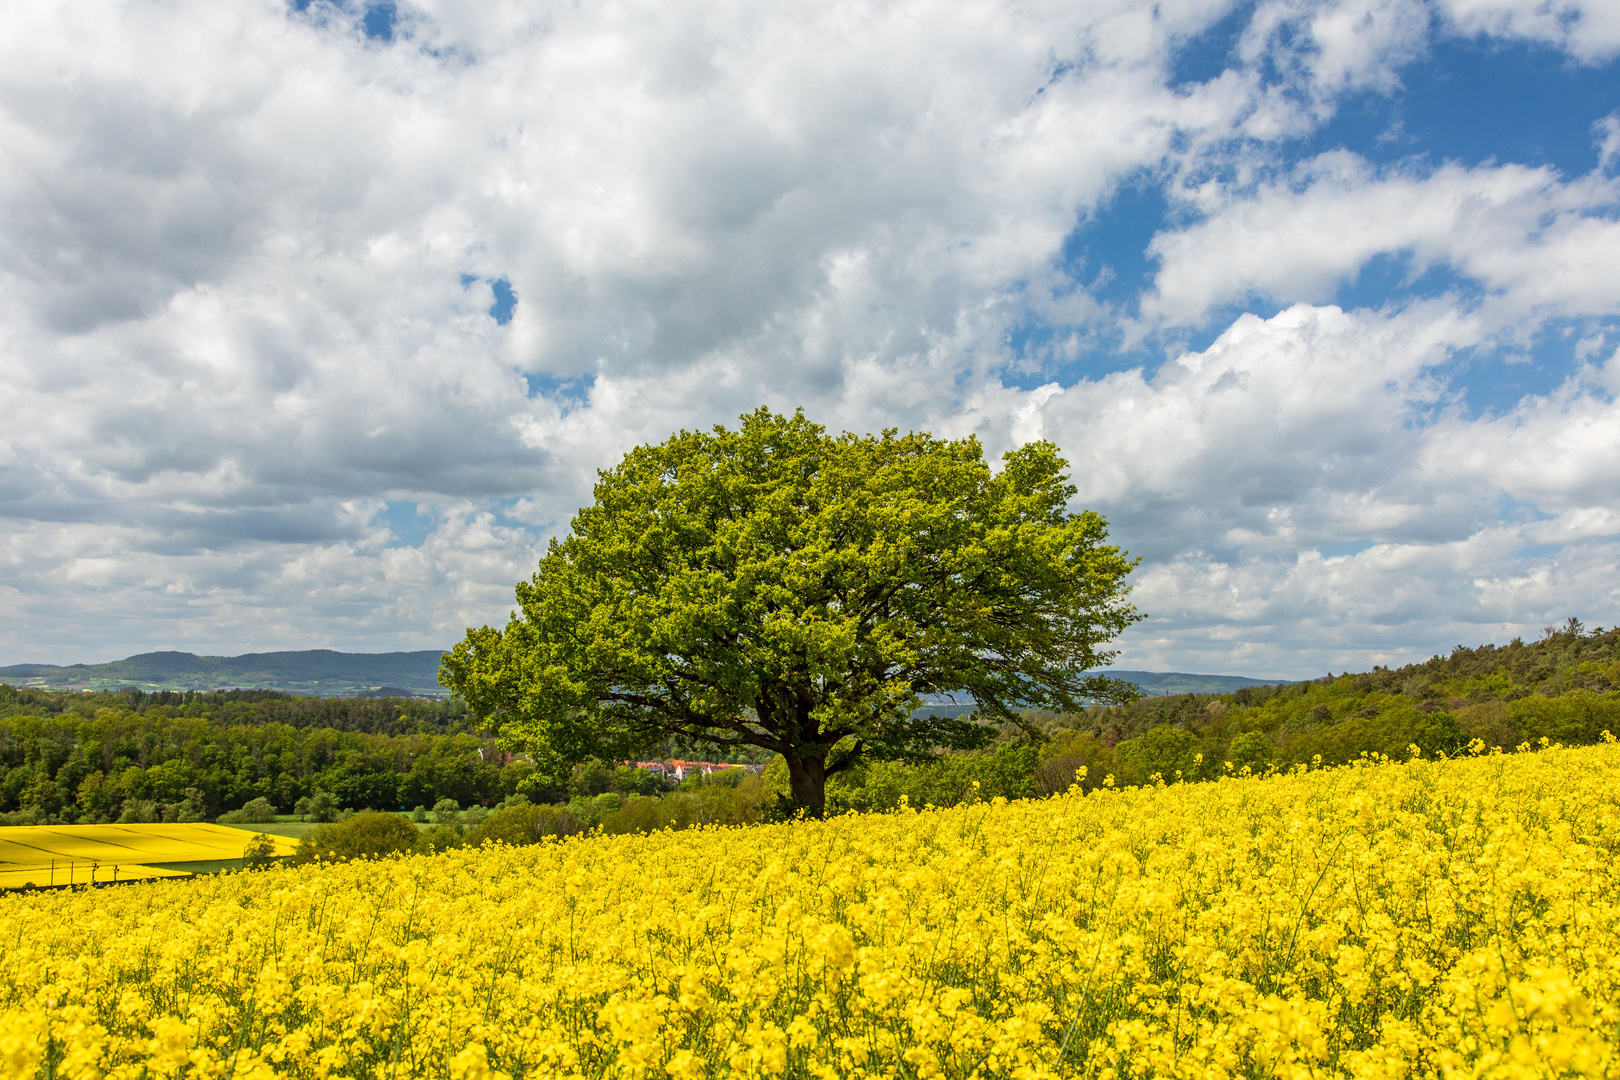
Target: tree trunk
{"x":807,"y":781}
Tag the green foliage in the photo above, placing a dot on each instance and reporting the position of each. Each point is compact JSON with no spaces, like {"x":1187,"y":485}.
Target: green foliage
{"x":439,"y":838}
{"x":139,"y":812}
{"x":950,"y":779}
{"x":1165,"y":752}
{"x":259,"y":853}
{"x":60,"y":765}
{"x":253,"y":812}
{"x":738,"y":799}
{"x":376,"y":716}
{"x":1564,"y":688}
{"x":319,"y":806}
{"x":1250,"y":750}
{"x":777,"y":587}
{"x":364,"y":836}
{"x":1575,"y":717}
{"x":525,"y":825}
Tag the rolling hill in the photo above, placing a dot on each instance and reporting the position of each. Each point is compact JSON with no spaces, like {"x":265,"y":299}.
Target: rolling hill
{"x":322,"y":672}
{"x":325,"y":672}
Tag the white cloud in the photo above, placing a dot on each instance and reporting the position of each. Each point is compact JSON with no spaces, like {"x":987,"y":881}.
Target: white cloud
{"x":1608,"y":132}
{"x":1533,"y":240}
{"x":246,"y":259}
{"x":1586,"y":29}
{"x":1231,"y":467}
{"x":85,"y":591}
{"x":1338,"y":45}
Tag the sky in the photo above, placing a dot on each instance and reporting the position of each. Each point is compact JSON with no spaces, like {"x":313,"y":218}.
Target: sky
{"x":317,"y":319}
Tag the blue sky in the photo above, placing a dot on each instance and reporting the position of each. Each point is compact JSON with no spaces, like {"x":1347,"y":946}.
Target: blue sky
{"x":318,"y":318}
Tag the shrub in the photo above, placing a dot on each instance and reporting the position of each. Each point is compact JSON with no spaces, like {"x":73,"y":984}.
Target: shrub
{"x":1578,"y":716}
{"x":1060,"y":773}
{"x":525,"y":825}
{"x":317,"y":807}
{"x":945,"y":781}
{"x":1491,"y":722}
{"x":259,"y":853}
{"x":439,"y":838}
{"x":639,"y":814}
{"x":139,"y":812}
{"x":1162,"y":751}
{"x":254,"y":812}
{"x":1251,"y":750}
{"x":367,"y":835}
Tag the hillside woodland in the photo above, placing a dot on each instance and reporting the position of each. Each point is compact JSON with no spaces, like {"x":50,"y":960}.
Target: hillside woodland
{"x":195,"y":756}
{"x":1564,"y":688}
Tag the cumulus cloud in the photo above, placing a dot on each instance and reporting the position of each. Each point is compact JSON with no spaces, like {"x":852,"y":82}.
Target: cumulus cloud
{"x":1531,"y":239}
{"x":1586,"y":29}
{"x":248,"y":255}
{"x":1237,"y":471}
{"x":1328,"y":48}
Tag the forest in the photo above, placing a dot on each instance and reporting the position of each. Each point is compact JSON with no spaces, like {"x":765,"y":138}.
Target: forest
{"x":135,"y":756}
{"x":1564,"y":688}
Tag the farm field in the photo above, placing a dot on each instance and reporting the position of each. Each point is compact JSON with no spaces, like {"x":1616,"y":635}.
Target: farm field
{"x":71,"y":854}
{"x":293,"y":830}
{"x":1455,"y":918}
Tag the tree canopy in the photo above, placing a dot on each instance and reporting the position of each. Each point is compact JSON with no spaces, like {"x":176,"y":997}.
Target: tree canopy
{"x":779,"y":587}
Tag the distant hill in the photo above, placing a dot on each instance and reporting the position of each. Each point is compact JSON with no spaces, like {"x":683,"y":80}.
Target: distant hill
{"x":1152,"y":683}
{"x":325,"y":673}
{"x":322,"y":672}
{"x":1159,"y":683}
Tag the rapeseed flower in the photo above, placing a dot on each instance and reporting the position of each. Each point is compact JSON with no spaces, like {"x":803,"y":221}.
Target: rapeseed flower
{"x":1436,"y":917}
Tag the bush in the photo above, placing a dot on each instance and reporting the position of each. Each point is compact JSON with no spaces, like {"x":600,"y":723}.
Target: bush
{"x":367,"y":835}
{"x":1164,"y":751}
{"x":259,"y":853}
{"x":439,"y":838}
{"x":1008,"y":772}
{"x":525,"y":825}
{"x":1059,"y":774}
{"x":255,"y":812}
{"x":139,"y":812}
{"x":317,"y":807}
{"x":639,"y":814}
{"x":1491,"y":723}
{"x":1063,"y":757}
{"x":1251,"y":750}
{"x":188,"y":809}
{"x":1576,"y":717}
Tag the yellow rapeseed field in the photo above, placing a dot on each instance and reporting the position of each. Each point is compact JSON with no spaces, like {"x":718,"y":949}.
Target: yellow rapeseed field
{"x":1453,"y":918}
{"x":68,"y":854}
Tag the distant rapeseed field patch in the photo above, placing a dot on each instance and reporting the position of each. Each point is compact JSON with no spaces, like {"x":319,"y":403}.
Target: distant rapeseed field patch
{"x":1457,"y":918}
{"x":69,"y":854}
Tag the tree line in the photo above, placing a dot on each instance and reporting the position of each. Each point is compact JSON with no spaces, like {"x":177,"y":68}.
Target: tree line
{"x":1564,"y":688}
{"x":107,"y":757}
{"x":390,"y":715}
{"x":87,"y":758}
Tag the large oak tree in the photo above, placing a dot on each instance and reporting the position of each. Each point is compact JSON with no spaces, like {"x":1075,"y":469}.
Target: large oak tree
{"x":774,"y":586}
